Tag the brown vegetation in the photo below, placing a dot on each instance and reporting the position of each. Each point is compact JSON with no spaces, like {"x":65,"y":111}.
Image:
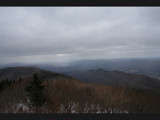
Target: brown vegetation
{"x":71,"y":96}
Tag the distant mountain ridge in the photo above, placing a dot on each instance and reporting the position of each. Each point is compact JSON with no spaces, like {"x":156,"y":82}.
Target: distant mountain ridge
{"x":98,"y":76}
{"x":14,"y":73}
{"x":101,"y":76}
{"x":149,"y":67}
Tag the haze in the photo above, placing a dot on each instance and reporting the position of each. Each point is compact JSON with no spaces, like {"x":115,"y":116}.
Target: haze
{"x":65,"y":34}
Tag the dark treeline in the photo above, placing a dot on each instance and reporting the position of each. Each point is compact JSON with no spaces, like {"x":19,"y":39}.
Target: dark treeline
{"x":5,"y":82}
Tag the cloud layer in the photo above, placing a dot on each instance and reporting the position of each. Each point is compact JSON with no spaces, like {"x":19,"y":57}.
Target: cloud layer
{"x":63,"y":34}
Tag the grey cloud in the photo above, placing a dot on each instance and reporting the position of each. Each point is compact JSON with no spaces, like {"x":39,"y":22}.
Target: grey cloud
{"x":71,"y":33}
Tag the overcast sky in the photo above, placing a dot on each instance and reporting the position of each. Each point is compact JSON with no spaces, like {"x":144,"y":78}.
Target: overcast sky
{"x":64,"y":34}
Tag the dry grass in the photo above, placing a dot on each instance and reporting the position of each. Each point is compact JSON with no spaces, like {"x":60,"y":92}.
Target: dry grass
{"x":71,"y":96}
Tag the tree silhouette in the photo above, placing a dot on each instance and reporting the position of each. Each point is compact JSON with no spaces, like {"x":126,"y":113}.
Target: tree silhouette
{"x":7,"y":81}
{"x":20,"y":79}
{"x":35,"y":91}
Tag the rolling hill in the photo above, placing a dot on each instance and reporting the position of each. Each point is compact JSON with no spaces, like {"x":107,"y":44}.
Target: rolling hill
{"x":65,"y":94}
{"x":14,"y":73}
{"x":119,"y":78}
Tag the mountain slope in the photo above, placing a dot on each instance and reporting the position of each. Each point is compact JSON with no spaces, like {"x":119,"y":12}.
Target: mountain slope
{"x":14,"y":73}
{"x":64,"y":94}
{"x":117,"y":78}
{"x":94,"y":76}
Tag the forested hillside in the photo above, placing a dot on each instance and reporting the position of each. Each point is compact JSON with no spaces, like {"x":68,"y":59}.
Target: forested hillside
{"x":65,"y":94}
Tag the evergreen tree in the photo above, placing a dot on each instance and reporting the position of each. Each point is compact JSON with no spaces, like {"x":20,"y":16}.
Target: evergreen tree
{"x":20,"y":79}
{"x":35,"y":91}
{"x":7,"y":81}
